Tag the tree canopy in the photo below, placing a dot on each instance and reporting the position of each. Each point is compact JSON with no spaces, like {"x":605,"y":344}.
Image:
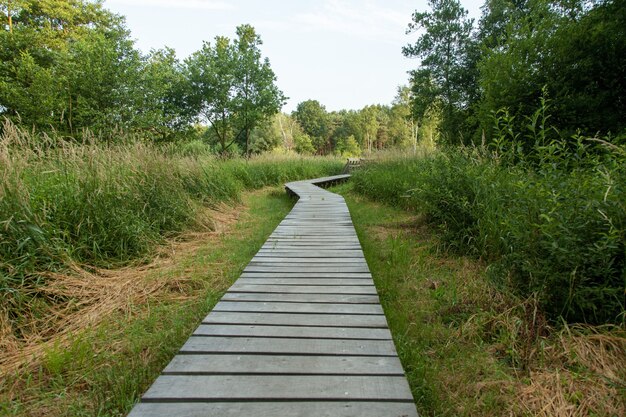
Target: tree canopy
{"x":570,"y":51}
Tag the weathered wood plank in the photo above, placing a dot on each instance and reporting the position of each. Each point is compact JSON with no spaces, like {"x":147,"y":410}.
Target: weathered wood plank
{"x":283,"y":387}
{"x":273,"y":345}
{"x":300,"y":274}
{"x":281,"y":307}
{"x":276,"y":409}
{"x":305,"y":289}
{"x":312,"y":268}
{"x":226,"y":364}
{"x":304,"y":281}
{"x":302,"y":332}
{"x":279,"y":319}
{"x":302,"y":298}
{"x":281,"y":260}
{"x":309,"y":256}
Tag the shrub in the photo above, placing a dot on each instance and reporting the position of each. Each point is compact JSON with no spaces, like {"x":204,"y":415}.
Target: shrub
{"x":96,"y":204}
{"x":556,"y":233}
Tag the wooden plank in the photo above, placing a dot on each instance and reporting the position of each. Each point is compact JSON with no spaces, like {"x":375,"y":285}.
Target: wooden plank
{"x":282,"y":387}
{"x":276,"y":409}
{"x":282,"y":307}
{"x":208,"y":364}
{"x":300,"y":274}
{"x":305,"y":289}
{"x":280,"y":260}
{"x":275,"y":345}
{"x":309,"y":253}
{"x":295,"y":246}
{"x":236,"y":330}
{"x":305,"y":281}
{"x":280,"y":319}
{"x":302,"y":298}
{"x":312,"y":268}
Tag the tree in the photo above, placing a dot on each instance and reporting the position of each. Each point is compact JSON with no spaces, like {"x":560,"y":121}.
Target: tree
{"x":232,"y":88}
{"x":160,"y":95}
{"x":266,"y":137}
{"x":257,"y":96}
{"x":443,"y":48}
{"x":573,"y":50}
{"x":370,"y":124}
{"x":211,"y":74}
{"x":402,"y":125}
{"x":315,"y":122}
{"x":348,"y":147}
{"x":66,"y":65}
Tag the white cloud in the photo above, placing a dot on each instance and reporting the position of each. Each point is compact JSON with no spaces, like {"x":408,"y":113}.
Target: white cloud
{"x":178,"y":4}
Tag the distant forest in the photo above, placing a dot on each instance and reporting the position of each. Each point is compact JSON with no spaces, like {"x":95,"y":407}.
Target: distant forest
{"x":70,"y":66}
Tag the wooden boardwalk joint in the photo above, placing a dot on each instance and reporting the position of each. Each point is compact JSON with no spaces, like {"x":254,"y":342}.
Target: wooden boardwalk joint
{"x":300,"y":333}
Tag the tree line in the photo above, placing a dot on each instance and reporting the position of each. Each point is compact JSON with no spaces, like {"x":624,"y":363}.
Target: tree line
{"x":570,"y":52}
{"x":70,"y":65}
{"x":311,"y":129}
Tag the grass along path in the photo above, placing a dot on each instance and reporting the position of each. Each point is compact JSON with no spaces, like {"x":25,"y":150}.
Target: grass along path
{"x":470,"y":349}
{"x":104,"y":368}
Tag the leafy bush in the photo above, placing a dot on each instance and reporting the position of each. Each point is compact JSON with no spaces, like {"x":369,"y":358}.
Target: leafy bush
{"x":63,"y":203}
{"x":557,"y":233}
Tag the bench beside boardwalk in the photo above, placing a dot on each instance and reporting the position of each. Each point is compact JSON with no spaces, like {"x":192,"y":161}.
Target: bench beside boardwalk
{"x":300,"y":333}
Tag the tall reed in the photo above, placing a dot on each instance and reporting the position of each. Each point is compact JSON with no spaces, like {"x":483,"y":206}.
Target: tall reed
{"x":65,"y":202}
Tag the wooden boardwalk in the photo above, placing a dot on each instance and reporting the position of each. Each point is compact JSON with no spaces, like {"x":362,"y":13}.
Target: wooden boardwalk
{"x":300,"y":333}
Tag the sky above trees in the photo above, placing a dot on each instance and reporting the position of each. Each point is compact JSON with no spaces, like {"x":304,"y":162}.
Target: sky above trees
{"x":344,"y":53}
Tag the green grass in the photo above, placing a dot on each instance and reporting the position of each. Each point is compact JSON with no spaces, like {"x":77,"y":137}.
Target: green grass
{"x":64,"y":205}
{"x":105,"y":369}
{"x":468,"y":347}
{"x":426,"y":296}
{"x":554,"y":233}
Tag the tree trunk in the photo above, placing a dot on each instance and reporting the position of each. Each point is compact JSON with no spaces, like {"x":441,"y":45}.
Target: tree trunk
{"x":282,"y":131}
{"x":9,"y":16}
{"x":247,"y":142}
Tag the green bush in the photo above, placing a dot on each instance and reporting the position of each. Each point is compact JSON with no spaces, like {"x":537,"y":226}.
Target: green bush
{"x":556,"y":233}
{"x":64,"y":203}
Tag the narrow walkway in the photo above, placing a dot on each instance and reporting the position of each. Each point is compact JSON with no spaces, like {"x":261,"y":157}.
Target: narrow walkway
{"x":301,"y":333}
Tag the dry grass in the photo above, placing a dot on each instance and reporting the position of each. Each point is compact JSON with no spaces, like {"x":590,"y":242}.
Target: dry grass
{"x":86,"y":296}
{"x":584,"y":375}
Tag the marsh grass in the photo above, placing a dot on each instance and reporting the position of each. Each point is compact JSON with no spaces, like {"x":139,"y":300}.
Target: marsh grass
{"x":468,"y":345}
{"x":108,"y":360}
{"x":70,"y":210}
{"x":552,"y":233}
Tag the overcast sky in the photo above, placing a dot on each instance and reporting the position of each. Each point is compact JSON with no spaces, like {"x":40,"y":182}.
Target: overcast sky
{"x":344,"y":53}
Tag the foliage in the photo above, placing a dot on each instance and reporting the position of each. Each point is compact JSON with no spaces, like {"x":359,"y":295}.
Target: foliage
{"x":70,"y":66}
{"x":126,"y":324}
{"x":444,"y":74}
{"x":551,"y":220}
{"x":96,"y":204}
{"x":232,"y":88}
{"x":520,"y":51}
{"x":348,"y":147}
{"x":478,"y":349}
{"x":583,"y":71}
{"x":45,"y":59}
{"x":315,"y":122}
{"x":258,"y":98}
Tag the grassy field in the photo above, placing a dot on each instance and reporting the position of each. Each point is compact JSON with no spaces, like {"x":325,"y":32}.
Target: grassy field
{"x":552,"y":230}
{"x":468,"y":346}
{"x":103,"y":366}
{"x":111,"y":252}
{"x":71,"y":212}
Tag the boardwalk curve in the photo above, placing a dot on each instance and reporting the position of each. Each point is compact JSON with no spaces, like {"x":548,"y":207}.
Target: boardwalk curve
{"x":300,"y":333}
